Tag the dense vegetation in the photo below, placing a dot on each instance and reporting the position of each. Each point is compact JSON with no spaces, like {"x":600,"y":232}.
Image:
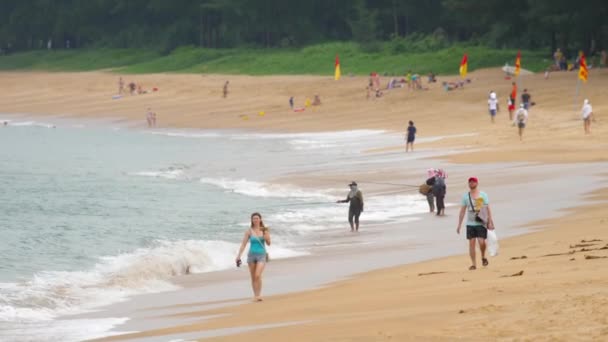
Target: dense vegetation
{"x":165,"y":25}
{"x":315,"y":59}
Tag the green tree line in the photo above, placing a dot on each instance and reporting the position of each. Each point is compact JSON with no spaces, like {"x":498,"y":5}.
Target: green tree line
{"x":165,"y":25}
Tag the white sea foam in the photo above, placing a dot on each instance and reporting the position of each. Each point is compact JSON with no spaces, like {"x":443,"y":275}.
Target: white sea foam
{"x":30,"y":124}
{"x":114,"y":278}
{"x":72,"y":330}
{"x":258,"y":189}
{"x":167,"y":174}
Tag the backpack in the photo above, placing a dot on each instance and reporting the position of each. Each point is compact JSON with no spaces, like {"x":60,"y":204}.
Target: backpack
{"x":439,"y":187}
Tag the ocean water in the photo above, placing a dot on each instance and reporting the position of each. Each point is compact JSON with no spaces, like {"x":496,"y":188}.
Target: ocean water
{"x":94,"y":214}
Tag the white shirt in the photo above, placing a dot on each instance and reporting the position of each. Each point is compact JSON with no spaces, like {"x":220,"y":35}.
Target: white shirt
{"x":493,"y":103}
{"x":587,"y":110}
{"x":521,"y":112}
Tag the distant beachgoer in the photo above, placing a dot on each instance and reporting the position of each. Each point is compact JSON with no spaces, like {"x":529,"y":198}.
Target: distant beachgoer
{"x":316,"y":101}
{"x":307,"y":103}
{"x":603,"y":59}
{"x":410,"y":137}
{"x":258,"y":237}
{"x":140,"y":89}
{"x":547,"y":73}
{"x":379,"y":93}
{"x":479,"y":220}
{"x":427,"y":190}
{"x":514,"y":92}
{"x":151,"y":118}
{"x":511,"y":107}
{"x":369,"y":92}
{"x":557,"y":57}
{"x":525,"y":99}
{"x":5,"y":123}
{"x":291,"y":102}
{"x":493,"y":105}
{"x":355,"y":197}
{"x":225,"y":89}
{"x":132,"y":87}
{"x":521,"y":118}
{"x":121,"y":86}
{"x":432,"y":77}
{"x":439,"y":191}
{"x":587,"y":113}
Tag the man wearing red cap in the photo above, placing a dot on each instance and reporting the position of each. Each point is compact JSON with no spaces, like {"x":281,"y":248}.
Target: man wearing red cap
{"x":479,"y":220}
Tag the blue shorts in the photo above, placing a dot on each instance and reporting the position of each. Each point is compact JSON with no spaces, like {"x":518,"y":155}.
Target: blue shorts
{"x":256,"y":258}
{"x":493,"y":112}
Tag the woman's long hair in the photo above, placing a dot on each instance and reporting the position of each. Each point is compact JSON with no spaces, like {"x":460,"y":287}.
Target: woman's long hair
{"x":261,"y":221}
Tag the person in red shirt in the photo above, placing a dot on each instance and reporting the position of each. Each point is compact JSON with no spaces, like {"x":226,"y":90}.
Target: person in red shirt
{"x":514,"y":92}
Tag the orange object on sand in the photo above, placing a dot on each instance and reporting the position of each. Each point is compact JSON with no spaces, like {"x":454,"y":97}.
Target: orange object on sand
{"x":301,"y":109}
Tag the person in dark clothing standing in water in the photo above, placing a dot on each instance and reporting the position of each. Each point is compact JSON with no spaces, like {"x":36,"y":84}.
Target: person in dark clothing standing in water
{"x":439,"y":190}
{"x":355,"y":197}
{"x":410,"y":137}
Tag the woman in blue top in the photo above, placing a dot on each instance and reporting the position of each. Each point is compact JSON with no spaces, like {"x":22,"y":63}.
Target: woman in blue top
{"x":258,"y":237}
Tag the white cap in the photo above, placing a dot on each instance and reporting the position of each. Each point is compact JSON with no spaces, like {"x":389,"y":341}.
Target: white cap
{"x":521,"y":105}
{"x":586,"y":101}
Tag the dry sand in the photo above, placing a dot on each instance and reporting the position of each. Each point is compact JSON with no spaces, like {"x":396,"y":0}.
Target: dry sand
{"x":557,"y":298}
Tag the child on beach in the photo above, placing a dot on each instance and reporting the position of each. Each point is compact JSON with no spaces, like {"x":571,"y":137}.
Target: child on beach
{"x":258,"y":237}
{"x":225,"y":89}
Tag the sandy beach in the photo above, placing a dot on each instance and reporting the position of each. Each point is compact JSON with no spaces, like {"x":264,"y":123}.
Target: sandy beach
{"x":547,"y":285}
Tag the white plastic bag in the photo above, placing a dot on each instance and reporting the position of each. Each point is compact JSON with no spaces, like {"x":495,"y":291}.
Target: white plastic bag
{"x":492,"y":243}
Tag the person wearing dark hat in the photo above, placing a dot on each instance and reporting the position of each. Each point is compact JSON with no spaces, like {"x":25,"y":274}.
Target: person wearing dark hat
{"x":479,"y":220}
{"x":355,"y":197}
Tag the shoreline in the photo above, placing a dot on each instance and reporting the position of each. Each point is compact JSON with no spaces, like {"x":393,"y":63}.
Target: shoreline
{"x":553,"y":138}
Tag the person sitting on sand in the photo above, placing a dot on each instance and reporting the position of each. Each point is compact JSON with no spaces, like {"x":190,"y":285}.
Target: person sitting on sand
{"x":140,"y":89}
{"x":258,"y":237}
{"x":432,"y":77}
{"x":379,"y":93}
{"x":316,"y":101}
{"x":291,"y":102}
{"x":355,"y":197}
{"x":479,"y":220}
{"x":132,"y":87}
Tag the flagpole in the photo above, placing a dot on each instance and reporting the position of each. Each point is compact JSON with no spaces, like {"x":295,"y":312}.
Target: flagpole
{"x":578,"y":86}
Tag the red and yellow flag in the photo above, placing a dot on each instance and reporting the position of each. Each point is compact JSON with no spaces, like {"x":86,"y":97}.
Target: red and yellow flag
{"x":337,"y":73}
{"x":583,"y":73}
{"x":463,"y":66}
{"x":517,"y":63}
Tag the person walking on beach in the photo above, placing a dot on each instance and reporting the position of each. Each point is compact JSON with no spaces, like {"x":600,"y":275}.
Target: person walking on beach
{"x":291,"y":102}
{"x":121,"y":86}
{"x":513,"y":92}
{"x":525,"y":99}
{"x":258,"y":237}
{"x":439,"y":190}
{"x":587,"y":113}
{"x":151,"y":118}
{"x":521,"y":118}
{"x":225,"y":89}
{"x":511,"y":107}
{"x":355,"y":197}
{"x":479,"y":220}
{"x":410,"y":137}
{"x":493,"y":105}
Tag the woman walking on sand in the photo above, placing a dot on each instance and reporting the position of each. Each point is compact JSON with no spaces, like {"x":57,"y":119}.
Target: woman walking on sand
{"x":258,"y":237}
